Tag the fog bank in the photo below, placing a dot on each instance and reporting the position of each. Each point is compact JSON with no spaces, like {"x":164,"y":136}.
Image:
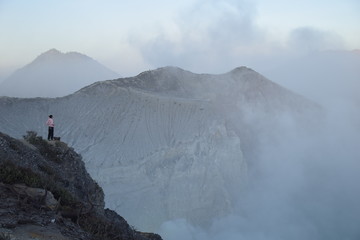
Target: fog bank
{"x":305,"y":186}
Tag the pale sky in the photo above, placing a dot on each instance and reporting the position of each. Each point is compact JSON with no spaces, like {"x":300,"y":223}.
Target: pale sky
{"x":210,"y":36}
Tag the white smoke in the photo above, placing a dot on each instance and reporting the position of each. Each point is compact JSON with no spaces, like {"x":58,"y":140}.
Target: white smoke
{"x":305,"y":186}
{"x":307,"y":40}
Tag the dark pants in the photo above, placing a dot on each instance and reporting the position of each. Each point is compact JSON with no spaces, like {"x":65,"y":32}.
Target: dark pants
{"x":51,"y":133}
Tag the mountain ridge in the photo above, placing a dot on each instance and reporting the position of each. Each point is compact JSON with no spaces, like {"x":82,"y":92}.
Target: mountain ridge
{"x":184,"y":146}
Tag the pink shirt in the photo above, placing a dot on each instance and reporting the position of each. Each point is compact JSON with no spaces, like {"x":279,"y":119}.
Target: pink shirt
{"x":50,"y":122}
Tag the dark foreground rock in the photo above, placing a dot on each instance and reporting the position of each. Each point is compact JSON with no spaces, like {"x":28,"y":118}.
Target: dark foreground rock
{"x":46,"y":193}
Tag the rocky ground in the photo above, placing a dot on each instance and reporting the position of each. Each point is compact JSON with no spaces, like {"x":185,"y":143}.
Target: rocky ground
{"x":46,"y":193}
{"x":26,"y":216}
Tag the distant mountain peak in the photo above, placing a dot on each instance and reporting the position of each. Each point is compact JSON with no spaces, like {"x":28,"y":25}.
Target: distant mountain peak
{"x":162,"y":70}
{"x":52,"y":52}
{"x":55,"y":74}
{"x":240,"y":69}
{"x":77,"y":54}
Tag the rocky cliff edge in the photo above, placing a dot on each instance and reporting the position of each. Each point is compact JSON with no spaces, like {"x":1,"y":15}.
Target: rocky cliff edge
{"x":46,"y":193}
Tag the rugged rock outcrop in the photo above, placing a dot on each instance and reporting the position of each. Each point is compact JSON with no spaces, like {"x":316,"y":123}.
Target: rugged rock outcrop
{"x":46,"y":192}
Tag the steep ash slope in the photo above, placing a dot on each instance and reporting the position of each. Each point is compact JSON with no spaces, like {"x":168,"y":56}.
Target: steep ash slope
{"x":247,"y":102}
{"x":167,"y":143}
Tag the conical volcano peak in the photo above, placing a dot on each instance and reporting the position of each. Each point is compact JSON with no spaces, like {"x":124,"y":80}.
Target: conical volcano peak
{"x":49,"y":55}
{"x":52,"y":51}
{"x":241,"y":69}
{"x":77,"y":55}
{"x":55,"y":74}
{"x":54,"y":54}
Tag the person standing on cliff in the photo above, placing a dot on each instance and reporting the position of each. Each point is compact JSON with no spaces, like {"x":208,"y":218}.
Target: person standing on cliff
{"x":50,"y":123}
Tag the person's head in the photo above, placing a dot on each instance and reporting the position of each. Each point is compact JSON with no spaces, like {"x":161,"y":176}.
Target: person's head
{"x":50,"y":116}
